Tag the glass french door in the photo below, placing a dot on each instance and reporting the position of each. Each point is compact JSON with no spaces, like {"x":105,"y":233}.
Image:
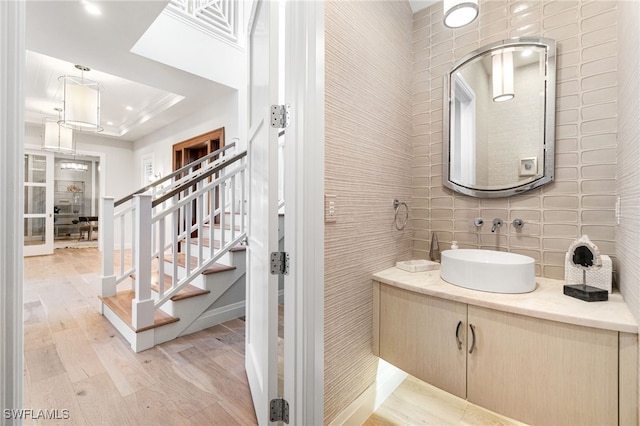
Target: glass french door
{"x":38,"y":203}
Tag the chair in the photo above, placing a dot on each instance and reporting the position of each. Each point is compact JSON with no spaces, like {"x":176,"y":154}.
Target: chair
{"x":87,"y":224}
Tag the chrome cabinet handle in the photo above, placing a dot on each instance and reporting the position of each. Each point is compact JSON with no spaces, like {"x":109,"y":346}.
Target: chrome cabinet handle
{"x":458,"y":335}
{"x":473,"y":337}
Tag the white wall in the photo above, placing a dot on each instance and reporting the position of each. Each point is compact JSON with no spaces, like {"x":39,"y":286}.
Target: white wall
{"x":628,"y":155}
{"x":223,"y":112}
{"x":117,"y":168}
{"x":172,"y":41}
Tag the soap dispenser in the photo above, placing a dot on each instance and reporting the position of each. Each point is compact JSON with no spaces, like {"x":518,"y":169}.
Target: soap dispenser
{"x":434,"y":251}
{"x":454,"y":245}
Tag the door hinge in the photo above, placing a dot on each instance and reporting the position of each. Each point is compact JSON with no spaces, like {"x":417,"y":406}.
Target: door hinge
{"x":279,"y":410}
{"x":280,"y":116}
{"x":279,"y":263}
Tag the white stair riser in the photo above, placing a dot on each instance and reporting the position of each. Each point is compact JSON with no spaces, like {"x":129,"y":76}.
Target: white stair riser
{"x":217,"y":285}
{"x":189,"y":310}
{"x":232,"y":258}
{"x":227,"y":259}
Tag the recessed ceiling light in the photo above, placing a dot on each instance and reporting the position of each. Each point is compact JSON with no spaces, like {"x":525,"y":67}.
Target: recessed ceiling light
{"x":109,"y":123}
{"x":128,"y":108}
{"x":92,"y":9}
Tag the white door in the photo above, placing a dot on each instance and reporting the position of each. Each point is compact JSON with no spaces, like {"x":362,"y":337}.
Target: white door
{"x":38,"y":203}
{"x":261,"y":357}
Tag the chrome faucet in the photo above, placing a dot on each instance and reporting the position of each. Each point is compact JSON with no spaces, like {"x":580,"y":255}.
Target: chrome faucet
{"x":497,"y":223}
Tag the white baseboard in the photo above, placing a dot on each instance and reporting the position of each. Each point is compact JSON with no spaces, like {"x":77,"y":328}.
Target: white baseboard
{"x":222,"y":314}
{"x":387,"y":380}
{"x":216,"y":316}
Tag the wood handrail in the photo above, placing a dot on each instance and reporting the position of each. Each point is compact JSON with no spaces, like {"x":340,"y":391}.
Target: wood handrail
{"x":190,"y":183}
{"x":174,"y":174}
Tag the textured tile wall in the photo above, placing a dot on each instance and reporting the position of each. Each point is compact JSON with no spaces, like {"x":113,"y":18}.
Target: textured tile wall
{"x":628,"y":169}
{"x":367,"y":154}
{"x":582,"y":198}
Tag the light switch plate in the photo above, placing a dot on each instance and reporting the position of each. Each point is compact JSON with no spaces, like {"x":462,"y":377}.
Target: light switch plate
{"x":330,"y":208}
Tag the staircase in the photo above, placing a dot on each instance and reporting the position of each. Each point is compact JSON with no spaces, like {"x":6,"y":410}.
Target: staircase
{"x":173,"y":260}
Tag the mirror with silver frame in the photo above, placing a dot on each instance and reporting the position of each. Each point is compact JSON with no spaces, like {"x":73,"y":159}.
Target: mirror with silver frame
{"x":499,"y":119}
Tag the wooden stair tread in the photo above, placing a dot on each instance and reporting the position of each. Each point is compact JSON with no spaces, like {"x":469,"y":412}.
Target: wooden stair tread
{"x":216,"y":244}
{"x":213,"y":269}
{"x":120,"y":304}
{"x":227,"y":226}
{"x":185,"y":293}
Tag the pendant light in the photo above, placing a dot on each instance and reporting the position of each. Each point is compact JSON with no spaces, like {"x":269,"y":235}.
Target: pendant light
{"x":502,"y":76}
{"x":57,"y":138}
{"x":81,"y":102}
{"x":458,"y":13}
{"x":74,"y":165}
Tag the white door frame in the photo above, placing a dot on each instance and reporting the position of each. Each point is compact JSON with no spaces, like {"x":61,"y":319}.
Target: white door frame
{"x":304,"y":224}
{"x":12,"y":71}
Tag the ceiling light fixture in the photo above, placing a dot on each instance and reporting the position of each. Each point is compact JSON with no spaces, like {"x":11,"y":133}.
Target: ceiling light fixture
{"x":57,"y":138}
{"x":458,"y":13}
{"x":81,"y":102}
{"x":92,"y":9}
{"x":502,"y":76}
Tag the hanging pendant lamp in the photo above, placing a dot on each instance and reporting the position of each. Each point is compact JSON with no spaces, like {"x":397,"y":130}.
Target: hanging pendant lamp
{"x":458,"y":13}
{"x":502,"y":76}
{"x":81,"y":102}
{"x":57,"y":138}
{"x":74,"y":165}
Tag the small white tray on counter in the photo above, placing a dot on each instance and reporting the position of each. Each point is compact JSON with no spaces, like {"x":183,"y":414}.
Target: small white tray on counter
{"x":418,"y":265}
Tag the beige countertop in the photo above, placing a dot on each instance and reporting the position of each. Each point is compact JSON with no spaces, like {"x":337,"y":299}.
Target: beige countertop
{"x":547,"y":301}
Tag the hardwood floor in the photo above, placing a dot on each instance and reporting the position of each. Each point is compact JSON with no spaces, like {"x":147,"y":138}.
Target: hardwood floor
{"x":415,"y":402}
{"x":76,"y":361}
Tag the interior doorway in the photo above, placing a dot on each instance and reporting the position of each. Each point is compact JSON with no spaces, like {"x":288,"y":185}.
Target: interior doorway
{"x":76,"y":200}
{"x":188,"y":151}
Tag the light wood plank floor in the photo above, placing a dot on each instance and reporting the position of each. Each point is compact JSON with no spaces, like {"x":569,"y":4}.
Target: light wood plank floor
{"x":415,"y":402}
{"x":76,"y":361}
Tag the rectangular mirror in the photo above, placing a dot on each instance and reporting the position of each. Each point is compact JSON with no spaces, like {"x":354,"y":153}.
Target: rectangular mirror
{"x":499,"y":119}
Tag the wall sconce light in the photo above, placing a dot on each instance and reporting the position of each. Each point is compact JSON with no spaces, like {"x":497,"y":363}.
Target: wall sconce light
{"x":502,"y":76}
{"x":57,"y":138}
{"x":81,"y":102}
{"x":458,"y":13}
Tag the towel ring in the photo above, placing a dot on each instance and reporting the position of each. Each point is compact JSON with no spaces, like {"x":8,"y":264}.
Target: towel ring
{"x":397,"y":204}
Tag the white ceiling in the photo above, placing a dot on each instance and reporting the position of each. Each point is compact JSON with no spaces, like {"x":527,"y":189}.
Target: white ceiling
{"x":61,"y":34}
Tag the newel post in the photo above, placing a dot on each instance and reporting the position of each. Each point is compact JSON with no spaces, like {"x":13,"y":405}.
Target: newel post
{"x":142,"y":304}
{"x":108,"y":287}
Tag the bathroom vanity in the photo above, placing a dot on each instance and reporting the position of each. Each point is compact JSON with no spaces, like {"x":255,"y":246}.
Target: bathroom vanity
{"x":539,"y":357}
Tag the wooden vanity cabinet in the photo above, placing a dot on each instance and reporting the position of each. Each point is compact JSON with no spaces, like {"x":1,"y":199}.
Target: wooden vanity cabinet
{"x":533,"y":370}
{"x":417,"y":335}
{"x":543,"y":372}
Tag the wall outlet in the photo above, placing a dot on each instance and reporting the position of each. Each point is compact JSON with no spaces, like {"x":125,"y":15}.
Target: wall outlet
{"x":330,"y":214}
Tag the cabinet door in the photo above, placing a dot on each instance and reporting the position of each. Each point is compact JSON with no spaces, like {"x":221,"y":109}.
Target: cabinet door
{"x":542,"y":372}
{"x":418,"y":335}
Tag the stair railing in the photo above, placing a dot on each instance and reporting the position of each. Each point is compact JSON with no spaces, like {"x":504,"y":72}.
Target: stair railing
{"x":172,"y":223}
{"x":122,"y":221}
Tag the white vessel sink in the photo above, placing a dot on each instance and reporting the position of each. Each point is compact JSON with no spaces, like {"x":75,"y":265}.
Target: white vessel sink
{"x":488,"y":270}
